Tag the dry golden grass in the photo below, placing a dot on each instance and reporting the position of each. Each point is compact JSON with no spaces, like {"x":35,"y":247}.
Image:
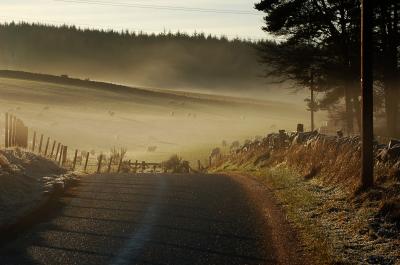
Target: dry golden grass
{"x":316,"y":182}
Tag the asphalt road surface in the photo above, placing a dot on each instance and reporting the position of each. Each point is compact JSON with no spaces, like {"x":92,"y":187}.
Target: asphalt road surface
{"x":148,"y":219}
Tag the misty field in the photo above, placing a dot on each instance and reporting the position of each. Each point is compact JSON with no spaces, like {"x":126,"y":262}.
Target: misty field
{"x":152,"y":124}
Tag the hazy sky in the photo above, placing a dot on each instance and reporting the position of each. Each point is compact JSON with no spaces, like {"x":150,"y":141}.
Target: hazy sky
{"x":153,"y":16}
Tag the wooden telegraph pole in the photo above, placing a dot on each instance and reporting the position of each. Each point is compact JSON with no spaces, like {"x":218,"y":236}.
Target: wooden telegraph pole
{"x":312,"y":100}
{"x":367,"y":171}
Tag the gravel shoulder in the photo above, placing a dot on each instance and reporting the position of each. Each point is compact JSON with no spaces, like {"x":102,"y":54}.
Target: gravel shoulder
{"x":284,"y":237}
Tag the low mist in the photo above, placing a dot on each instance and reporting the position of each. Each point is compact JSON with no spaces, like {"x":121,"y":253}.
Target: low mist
{"x":151,"y":125}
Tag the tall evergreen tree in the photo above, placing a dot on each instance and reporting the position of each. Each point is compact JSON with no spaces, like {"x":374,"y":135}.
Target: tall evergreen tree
{"x":329,"y":29}
{"x":387,"y":35}
{"x":332,"y":29}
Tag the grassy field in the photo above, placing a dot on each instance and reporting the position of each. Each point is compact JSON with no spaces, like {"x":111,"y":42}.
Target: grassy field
{"x":90,"y":118}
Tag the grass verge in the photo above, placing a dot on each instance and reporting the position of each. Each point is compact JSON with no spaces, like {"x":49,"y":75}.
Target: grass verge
{"x":334,"y":225}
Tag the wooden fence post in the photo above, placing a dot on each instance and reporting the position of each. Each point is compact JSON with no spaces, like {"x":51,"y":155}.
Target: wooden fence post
{"x":58,"y":149}
{"x":11,"y":131}
{"x":300,"y":128}
{"x":74,"y":163}
{"x":18,"y":132}
{"x":47,"y":146}
{"x":52,"y":149}
{"x":60,"y":156}
{"x":86,"y":162}
{"x":25,"y":136}
{"x":136,"y":166}
{"x":109,"y":165}
{"x":129,"y":168}
{"x":143,"y":166}
{"x":20,"y":135}
{"x":64,"y":155}
{"x":199,"y":164}
{"x":14,"y":131}
{"x":33,"y":142}
{"x":6,"y":132}
{"x":40,"y":144}
{"x":119,"y":165}
{"x":99,"y":165}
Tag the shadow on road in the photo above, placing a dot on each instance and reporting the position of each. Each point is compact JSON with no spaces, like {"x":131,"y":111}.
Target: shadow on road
{"x":153,"y":219}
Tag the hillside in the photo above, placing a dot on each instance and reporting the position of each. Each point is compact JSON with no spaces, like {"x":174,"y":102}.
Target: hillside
{"x":161,"y":61}
{"x":93,"y":115}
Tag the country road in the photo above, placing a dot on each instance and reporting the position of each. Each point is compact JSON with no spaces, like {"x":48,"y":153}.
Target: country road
{"x":148,"y":219}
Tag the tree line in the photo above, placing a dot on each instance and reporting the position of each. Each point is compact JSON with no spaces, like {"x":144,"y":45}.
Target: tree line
{"x":165,"y":60}
{"x":319,"y":44}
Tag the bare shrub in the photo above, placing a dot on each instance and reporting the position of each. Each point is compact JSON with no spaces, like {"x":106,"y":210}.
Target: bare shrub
{"x":235,"y":145}
{"x":175,"y":164}
{"x":117,"y":154}
{"x":216,"y":152}
{"x":151,"y":149}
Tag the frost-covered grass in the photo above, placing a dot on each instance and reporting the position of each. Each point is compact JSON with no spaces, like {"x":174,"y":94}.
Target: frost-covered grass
{"x":335,"y":225}
{"x":25,"y":180}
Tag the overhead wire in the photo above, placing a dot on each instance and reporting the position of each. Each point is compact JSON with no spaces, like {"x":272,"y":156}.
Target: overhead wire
{"x":162,"y":7}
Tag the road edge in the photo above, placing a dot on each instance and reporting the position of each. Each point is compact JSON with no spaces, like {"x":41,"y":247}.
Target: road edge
{"x":47,"y":207}
{"x":285,"y":238}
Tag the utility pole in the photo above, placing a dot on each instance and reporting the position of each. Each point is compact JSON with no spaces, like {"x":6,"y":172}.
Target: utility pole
{"x":367,"y":134}
{"x":312,"y":100}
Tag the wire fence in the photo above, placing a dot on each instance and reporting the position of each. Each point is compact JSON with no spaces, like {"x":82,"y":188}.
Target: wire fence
{"x":17,"y":135}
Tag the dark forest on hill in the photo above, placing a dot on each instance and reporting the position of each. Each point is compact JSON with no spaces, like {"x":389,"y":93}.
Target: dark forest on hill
{"x":166,"y":60}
